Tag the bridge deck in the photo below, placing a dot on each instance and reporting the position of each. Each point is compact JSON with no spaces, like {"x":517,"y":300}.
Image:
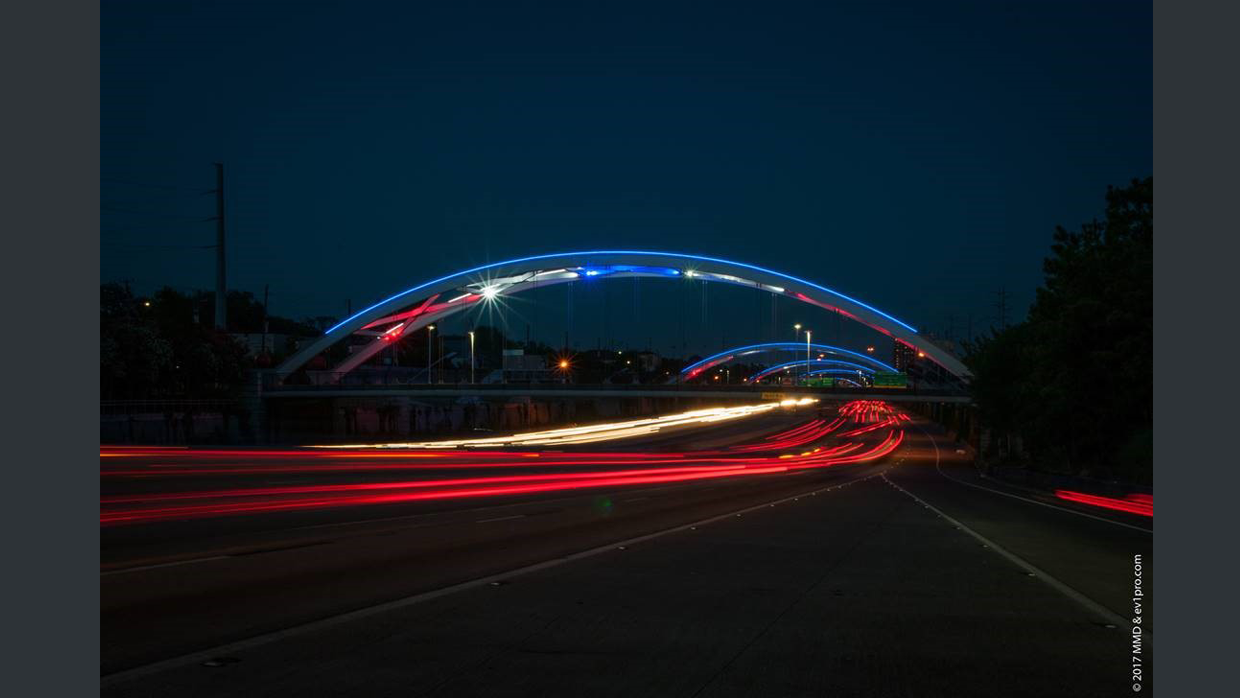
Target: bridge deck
{"x":545,"y":390}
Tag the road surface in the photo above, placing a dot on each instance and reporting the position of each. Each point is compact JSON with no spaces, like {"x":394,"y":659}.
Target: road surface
{"x":794,"y":554}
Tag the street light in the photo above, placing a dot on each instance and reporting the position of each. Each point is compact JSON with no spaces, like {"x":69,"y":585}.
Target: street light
{"x":797,"y":331}
{"x":869,"y":349}
{"x":429,"y":329}
{"x":471,"y":358}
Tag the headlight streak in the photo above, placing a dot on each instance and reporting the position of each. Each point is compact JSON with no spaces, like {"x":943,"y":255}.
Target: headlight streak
{"x":592,"y":433}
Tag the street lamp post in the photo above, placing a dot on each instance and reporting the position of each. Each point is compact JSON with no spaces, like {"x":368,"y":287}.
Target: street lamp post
{"x":796,"y":331}
{"x":429,"y":329}
{"x":808,"y":334}
{"x":471,"y":357}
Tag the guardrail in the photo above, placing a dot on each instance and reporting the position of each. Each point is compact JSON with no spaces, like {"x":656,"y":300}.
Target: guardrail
{"x":157,"y":406}
{"x":312,"y":382}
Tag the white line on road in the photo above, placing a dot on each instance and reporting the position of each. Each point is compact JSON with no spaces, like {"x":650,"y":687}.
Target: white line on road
{"x":1111,"y":616}
{"x":164,"y":564}
{"x":501,"y":518}
{"x":1024,"y":499}
{"x":1097,"y":608}
{"x":260,"y":640}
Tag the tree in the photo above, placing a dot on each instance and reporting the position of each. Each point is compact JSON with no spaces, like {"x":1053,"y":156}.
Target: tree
{"x":1075,"y":379}
{"x":133,"y":358}
{"x":162,"y":347}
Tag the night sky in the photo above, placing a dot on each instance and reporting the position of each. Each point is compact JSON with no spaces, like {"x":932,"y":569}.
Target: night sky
{"x":915,"y":156}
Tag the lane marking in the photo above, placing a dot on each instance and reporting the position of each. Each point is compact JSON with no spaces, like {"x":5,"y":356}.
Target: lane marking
{"x":1111,"y":616}
{"x":1023,"y":499}
{"x":501,"y":518}
{"x":164,"y":564}
{"x":228,"y":553}
{"x":634,"y":499}
{"x":332,"y":621}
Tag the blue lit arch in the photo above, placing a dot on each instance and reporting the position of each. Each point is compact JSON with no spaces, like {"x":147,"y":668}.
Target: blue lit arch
{"x":723,"y":357}
{"x":418,"y":306}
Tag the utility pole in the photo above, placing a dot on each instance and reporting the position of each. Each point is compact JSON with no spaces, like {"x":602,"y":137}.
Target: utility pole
{"x":1002,"y":305}
{"x":221,"y":299}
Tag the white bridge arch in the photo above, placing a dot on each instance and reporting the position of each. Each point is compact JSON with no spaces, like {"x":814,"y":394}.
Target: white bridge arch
{"x":417,"y":307}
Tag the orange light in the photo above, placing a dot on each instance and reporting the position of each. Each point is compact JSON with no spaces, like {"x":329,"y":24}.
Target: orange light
{"x":563,"y":363}
{"x":921,"y":354}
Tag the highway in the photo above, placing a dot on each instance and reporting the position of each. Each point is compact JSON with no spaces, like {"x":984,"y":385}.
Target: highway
{"x":795,"y":550}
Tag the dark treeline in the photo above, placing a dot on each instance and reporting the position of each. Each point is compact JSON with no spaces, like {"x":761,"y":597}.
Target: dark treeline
{"x":166,"y":345}
{"x":1073,"y":383}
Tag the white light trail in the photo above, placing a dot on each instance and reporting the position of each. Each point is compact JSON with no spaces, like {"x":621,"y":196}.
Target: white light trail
{"x":594,"y":432}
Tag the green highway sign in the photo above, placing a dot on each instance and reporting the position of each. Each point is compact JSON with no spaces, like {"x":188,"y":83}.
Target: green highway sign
{"x":887,"y":379}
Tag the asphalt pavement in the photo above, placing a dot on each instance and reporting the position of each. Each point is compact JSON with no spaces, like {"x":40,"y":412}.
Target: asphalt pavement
{"x":904,"y":575}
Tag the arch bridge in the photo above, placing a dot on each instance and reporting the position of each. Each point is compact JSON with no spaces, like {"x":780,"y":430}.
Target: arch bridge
{"x":840,"y":355}
{"x":421,"y":305}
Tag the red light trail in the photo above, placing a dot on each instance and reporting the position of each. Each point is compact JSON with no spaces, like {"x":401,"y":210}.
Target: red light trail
{"x":734,"y":462}
{"x":1142,"y":504}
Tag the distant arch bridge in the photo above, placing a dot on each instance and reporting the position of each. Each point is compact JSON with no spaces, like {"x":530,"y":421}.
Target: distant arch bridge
{"x":431,"y":301}
{"x":845,"y":356}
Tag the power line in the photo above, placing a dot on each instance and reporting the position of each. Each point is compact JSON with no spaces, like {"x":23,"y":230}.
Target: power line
{"x":149,"y":185}
{"x":148,"y":229}
{"x":156,"y":247}
{"x":117,"y":209}
{"x":1001,"y":306}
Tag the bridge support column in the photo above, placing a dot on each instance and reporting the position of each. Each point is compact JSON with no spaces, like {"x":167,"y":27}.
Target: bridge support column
{"x":403,"y":416}
{"x":252,"y":417}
